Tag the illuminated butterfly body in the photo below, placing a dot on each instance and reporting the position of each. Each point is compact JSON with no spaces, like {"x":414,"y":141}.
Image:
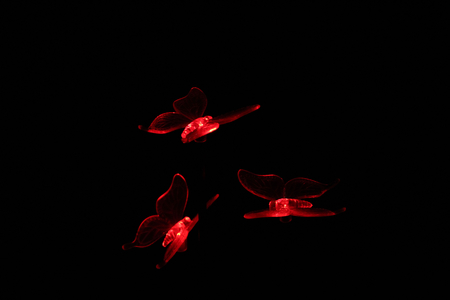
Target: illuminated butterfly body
{"x":169,"y":221}
{"x":189,"y":115}
{"x":285,"y":199}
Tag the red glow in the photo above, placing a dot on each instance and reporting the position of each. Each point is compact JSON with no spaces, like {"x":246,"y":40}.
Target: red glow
{"x":169,"y":221}
{"x":285,"y":199}
{"x":176,"y":231}
{"x":179,"y":243}
{"x":188,"y":114}
{"x":198,"y":128}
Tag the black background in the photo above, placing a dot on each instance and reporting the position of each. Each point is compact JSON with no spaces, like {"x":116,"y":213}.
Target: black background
{"x":332,"y":84}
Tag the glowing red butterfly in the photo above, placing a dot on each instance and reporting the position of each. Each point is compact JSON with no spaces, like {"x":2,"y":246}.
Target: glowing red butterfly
{"x":189,"y":115}
{"x":285,"y":199}
{"x":169,"y":221}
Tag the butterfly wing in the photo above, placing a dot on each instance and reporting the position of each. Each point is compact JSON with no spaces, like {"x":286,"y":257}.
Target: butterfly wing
{"x":192,"y":105}
{"x":269,"y":187}
{"x":236,"y":114}
{"x":266,"y":213}
{"x":150,"y":230}
{"x":171,"y":204}
{"x":166,"y":122}
{"x":315,"y":212}
{"x":303,"y":188}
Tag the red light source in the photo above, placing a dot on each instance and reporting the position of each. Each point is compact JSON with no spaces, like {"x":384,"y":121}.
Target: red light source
{"x":188,"y":115}
{"x":169,"y":221}
{"x":285,"y":199}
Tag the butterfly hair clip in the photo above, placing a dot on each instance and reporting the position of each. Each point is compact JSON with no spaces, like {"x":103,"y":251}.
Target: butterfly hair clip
{"x":189,"y":115}
{"x":286,"y":199}
{"x":169,"y":221}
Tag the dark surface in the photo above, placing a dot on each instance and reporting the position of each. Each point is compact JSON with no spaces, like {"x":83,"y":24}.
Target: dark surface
{"x":330,"y":84}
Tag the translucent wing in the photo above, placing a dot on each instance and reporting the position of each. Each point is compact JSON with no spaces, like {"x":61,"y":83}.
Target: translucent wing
{"x":266,"y":213}
{"x":166,"y":122}
{"x":150,"y":230}
{"x":312,"y":212}
{"x":269,"y":187}
{"x":179,"y":243}
{"x":236,"y":114}
{"x":171,"y":204}
{"x":315,"y":212}
{"x":298,"y":212}
{"x":192,"y":105}
{"x":302,"y":188}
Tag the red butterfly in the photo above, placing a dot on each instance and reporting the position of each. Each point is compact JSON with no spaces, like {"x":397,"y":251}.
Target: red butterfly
{"x":285,"y":198}
{"x":169,"y":221}
{"x":189,"y":115}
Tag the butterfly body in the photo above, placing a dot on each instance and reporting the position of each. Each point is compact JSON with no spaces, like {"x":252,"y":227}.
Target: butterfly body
{"x":286,"y":200}
{"x":198,"y":128}
{"x":287,"y":204}
{"x":176,"y":231}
